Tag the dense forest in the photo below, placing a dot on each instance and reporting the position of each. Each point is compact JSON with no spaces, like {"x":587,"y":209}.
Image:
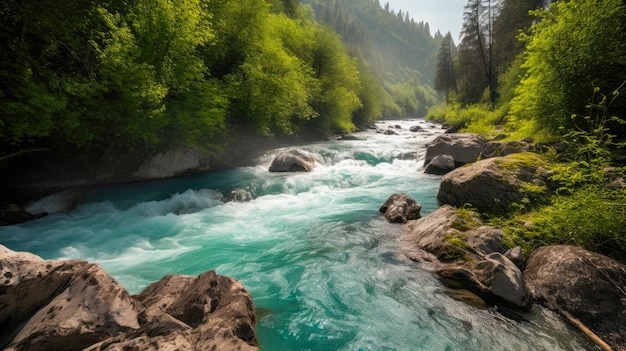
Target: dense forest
{"x":553,"y":72}
{"x":155,"y":74}
{"x":400,"y":52}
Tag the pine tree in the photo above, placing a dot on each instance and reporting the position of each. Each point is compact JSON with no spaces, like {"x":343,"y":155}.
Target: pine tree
{"x":445,"y":78}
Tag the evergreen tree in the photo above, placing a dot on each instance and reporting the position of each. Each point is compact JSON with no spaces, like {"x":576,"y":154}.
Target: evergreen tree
{"x":476,"y":52}
{"x":445,"y":78}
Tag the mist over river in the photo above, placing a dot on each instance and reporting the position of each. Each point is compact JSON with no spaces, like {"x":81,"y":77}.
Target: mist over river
{"x":323,"y":266}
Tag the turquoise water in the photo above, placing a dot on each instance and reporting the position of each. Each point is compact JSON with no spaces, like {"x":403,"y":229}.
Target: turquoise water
{"x":323,"y":266}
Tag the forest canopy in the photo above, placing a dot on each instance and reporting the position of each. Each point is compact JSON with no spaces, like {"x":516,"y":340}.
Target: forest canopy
{"x":160,"y":73}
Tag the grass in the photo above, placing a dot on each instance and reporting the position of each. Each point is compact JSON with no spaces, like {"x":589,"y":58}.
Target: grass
{"x":583,"y":212}
{"x":592,"y":216}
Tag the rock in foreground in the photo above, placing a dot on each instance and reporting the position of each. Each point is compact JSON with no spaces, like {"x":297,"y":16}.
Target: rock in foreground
{"x":472,"y":256}
{"x":586,"y":285}
{"x":294,"y":160}
{"x":75,"y":305}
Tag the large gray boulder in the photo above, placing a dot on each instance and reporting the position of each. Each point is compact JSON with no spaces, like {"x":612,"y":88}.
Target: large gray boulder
{"x":471,"y":255}
{"x":505,"y":148}
{"x":493,"y":277}
{"x":175,"y":162}
{"x":440,"y":165}
{"x":293,"y":160}
{"x":495,"y":184}
{"x":450,"y":236}
{"x":584,"y":285}
{"x":463,"y":147}
{"x":400,"y":208}
{"x":62,"y":201}
{"x":75,"y":305}
{"x":59,"y":305}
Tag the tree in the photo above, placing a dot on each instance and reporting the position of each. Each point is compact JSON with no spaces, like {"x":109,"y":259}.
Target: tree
{"x":476,"y":48}
{"x":576,"y":48}
{"x":445,"y":77}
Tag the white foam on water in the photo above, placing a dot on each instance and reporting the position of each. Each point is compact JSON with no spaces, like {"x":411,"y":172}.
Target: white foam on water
{"x":312,"y":248}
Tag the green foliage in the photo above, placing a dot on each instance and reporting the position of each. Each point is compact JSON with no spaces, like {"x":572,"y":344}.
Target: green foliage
{"x":575,"y":47}
{"x":593,"y":217}
{"x":466,"y":220}
{"x":151,"y":74}
{"x":400,"y":53}
{"x":458,"y":248}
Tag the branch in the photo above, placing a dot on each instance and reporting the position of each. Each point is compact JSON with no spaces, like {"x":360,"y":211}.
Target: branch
{"x":22,"y":152}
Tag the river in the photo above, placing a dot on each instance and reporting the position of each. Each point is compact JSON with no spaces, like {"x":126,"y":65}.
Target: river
{"x":323,"y":266}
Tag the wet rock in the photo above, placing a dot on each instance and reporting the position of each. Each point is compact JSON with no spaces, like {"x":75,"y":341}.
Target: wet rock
{"x":349,"y":137}
{"x":293,"y":160}
{"x":390,"y":132}
{"x":494,"y":278}
{"x":583,"y":284}
{"x":400,"y":208}
{"x":239,"y":195}
{"x":14,"y":214}
{"x":415,"y":129}
{"x":463,"y":147}
{"x":175,"y":162}
{"x":440,"y":165}
{"x":192,"y":300}
{"x":437,"y":233}
{"x":65,"y":200}
{"x":60,"y":305}
{"x":494,"y":184}
{"x":75,"y":305}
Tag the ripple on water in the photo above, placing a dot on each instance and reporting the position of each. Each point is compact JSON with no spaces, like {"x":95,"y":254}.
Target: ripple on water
{"x":319,"y":260}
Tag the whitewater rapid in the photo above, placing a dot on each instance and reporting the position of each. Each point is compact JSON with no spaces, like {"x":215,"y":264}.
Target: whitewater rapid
{"x":323,"y":266}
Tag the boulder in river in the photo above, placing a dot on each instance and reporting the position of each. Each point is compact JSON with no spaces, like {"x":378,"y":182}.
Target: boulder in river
{"x":450,"y":233}
{"x":493,"y":277}
{"x":440,"y":165}
{"x":293,"y":160}
{"x":75,"y":305}
{"x":471,"y":253}
{"x":400,"y":208}
{"x":62,"y":201}
{"x":583,"y":286}
{"x":239,"y":195}
{"x":415,"y":129}
{"x":496,"y":184}
{"x":14,"y":214}
{"x":174,"y":162}
{"x":463,"y":147}
{"x":349,"y":137}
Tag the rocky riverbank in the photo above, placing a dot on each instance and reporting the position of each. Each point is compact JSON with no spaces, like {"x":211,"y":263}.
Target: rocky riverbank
{"x":586,"y":288}
{"x":75,"y":305}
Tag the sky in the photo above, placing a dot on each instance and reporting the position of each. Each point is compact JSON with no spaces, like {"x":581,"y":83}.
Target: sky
{"x":445,"y":15}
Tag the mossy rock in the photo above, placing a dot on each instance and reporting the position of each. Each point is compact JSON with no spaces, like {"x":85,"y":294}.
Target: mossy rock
{"x":497,"y":184}
{"x":453,"y":234}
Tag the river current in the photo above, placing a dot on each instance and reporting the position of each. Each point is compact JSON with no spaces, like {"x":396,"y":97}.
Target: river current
{"x":323,"y":266}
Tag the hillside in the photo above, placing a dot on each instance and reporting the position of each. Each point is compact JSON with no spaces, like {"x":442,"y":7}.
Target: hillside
{"x":400,"y":51}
